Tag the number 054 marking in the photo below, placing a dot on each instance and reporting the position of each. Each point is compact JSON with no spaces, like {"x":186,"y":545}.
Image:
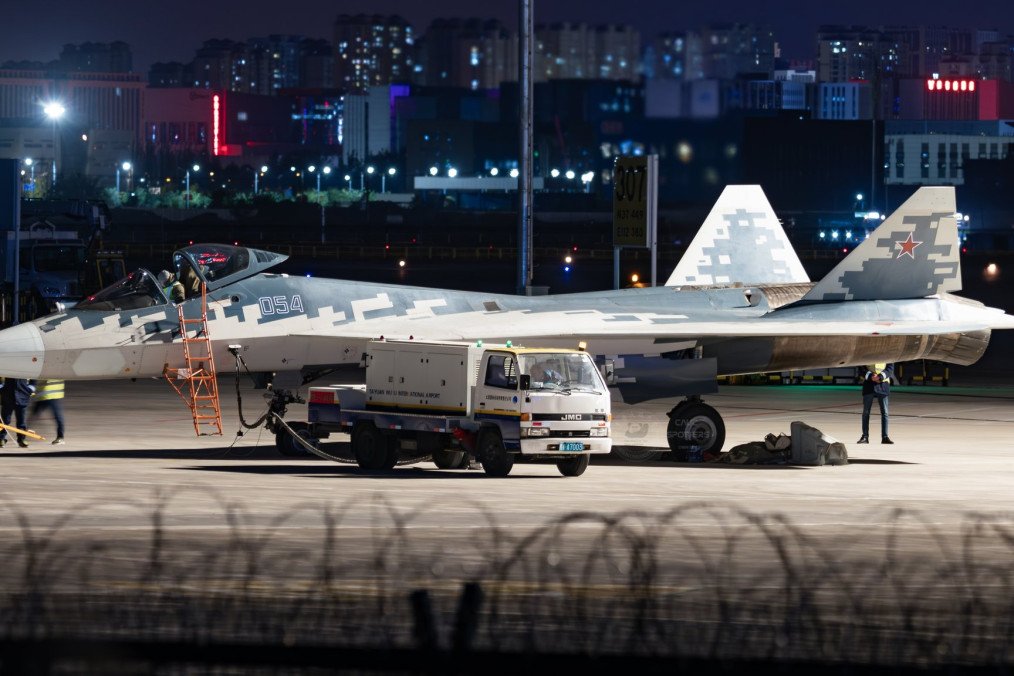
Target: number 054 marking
{"x":280,"y":305}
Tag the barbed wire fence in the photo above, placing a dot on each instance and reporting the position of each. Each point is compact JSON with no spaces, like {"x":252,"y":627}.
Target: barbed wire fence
{"x":706,"y":581}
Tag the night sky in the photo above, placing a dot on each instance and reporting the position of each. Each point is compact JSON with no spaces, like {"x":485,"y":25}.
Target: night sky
{"x":172,"y":31}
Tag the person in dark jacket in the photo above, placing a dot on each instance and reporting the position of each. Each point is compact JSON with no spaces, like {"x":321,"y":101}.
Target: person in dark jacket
{"x":14,"y":397}
{"x":876,"y":385}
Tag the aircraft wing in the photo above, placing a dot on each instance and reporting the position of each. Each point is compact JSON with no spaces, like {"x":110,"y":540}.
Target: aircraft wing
{"x":558,"y":325}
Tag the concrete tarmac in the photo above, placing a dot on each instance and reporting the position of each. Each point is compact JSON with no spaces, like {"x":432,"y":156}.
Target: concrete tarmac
{"x":128,"y":441}
{"x":901,"y":557}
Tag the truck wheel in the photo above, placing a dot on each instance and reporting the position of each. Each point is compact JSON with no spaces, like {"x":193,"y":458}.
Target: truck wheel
{"x":286,"y":442}
{"x":574,"y":466}
{"x":495,"y":459}
{"x":695,"y":424}
{"x":445,"y":459}
{"x":370,"y":447}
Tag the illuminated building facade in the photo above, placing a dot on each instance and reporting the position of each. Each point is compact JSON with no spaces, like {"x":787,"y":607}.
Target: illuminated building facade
{"x":725,"y":51}
{"x":469,"y":53}
{"x":103,"y":110}
{"x":372,"y":50}
{"x":935,"y":153}
{"x":579,"y":51}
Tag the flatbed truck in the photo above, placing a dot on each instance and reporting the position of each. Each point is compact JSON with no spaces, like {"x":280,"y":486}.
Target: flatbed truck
{"x":498,"y":404}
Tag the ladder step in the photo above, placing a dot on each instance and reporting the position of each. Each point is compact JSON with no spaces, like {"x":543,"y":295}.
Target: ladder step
{"x":202,"y":397}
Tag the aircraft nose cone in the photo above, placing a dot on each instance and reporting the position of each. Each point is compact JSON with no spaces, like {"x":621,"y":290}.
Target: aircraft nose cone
{"x":21,"y":351}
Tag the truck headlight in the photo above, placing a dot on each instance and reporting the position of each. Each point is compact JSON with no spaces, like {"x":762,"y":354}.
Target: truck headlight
{"x":598,"y":432}
{"x":535,"y":431}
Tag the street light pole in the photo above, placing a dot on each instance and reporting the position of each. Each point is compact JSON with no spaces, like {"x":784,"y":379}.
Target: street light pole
{"x":31,"y":166}
{"x":196,"y":169}
{"x":324,"y":170}
{"x":126,"y":166}
{"x":54,"y":111}
{"x":264,"y":170}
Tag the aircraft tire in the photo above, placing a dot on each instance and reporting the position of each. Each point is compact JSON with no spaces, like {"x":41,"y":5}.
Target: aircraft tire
{"x":445,"y":459}
{"x":370,"y":447}
{"x":695,"y":424}
{"x":574,"y":466}
{"x":287,"y":444}
{"x":493,"y":455}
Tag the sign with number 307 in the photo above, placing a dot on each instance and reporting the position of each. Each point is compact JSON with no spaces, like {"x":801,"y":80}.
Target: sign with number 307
{"x":634,"y":190}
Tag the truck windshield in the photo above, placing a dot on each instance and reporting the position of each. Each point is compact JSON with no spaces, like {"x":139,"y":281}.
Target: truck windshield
{"x":562,"y":370}
{"x":137,"y":290}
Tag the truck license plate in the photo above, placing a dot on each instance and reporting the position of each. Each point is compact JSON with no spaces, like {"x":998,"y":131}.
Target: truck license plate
{"x":571,"y":446}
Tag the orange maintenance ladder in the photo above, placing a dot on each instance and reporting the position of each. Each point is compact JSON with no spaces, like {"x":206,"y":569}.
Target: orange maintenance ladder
{"x":200,"y":389}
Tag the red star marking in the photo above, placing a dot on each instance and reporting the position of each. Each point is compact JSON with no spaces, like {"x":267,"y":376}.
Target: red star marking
{"x":907,"y":247}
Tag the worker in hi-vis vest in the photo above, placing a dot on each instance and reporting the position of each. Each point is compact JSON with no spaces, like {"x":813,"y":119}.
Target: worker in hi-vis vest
{"x":49,"y":395}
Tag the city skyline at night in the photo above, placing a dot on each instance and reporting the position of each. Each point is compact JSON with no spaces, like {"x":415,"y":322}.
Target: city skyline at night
{"x":174,"y":35}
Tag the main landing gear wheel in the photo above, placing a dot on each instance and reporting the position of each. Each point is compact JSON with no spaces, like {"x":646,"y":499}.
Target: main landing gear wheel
{"x":693,"y":423}
{"x":286,"y":442}
{"x":371,"y":448}
{"x":445,"y":459}
{"x":495,"y":459}
{"x":573,"y":466}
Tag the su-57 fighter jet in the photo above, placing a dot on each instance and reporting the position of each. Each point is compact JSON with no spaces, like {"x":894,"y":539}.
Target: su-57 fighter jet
{"x":738,"y":302}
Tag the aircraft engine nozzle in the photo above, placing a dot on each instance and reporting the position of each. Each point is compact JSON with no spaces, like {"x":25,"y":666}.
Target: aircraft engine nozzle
{"x":763,"y":355}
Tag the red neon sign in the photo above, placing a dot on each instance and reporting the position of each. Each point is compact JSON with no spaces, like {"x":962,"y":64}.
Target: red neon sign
{"x":216,"y":122}
{"x":933,"y":84}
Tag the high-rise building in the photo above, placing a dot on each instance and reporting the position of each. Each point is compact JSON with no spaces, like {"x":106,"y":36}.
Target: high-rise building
{"x":848,"y":53}
{"x":469,"y":53}
{"x":669,"y":57}
{"x":372,"y":50}
{"x":725,"y":51}
{"x":264,"y":66}
{"x":273,"y":63}
{"x":316,"y":65}
{"x":370,"y":123}
{"x":95,"y":57}
{"x":583,"y":52}
{"x":996,"y":60}
{"x":170,"y":74}
{"x":220,"y":64}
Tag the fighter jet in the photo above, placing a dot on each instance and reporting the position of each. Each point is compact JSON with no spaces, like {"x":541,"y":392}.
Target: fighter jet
{"x":737,"y":302}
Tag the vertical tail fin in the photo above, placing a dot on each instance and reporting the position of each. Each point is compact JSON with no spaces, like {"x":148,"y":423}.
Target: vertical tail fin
{"x":912,"y":254}
{"x":741,"y":240}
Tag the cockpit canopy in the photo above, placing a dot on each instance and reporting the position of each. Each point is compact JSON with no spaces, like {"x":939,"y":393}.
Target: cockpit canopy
{"x":137,"y":290}
{"x":216,"y":265}
{"x":221,"y":264}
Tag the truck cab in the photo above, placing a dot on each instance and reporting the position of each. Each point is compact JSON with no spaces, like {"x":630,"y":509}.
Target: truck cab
{"x":542,"y":402}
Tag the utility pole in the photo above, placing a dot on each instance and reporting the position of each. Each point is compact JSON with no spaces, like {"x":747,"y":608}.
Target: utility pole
{"x":526,"y":30}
